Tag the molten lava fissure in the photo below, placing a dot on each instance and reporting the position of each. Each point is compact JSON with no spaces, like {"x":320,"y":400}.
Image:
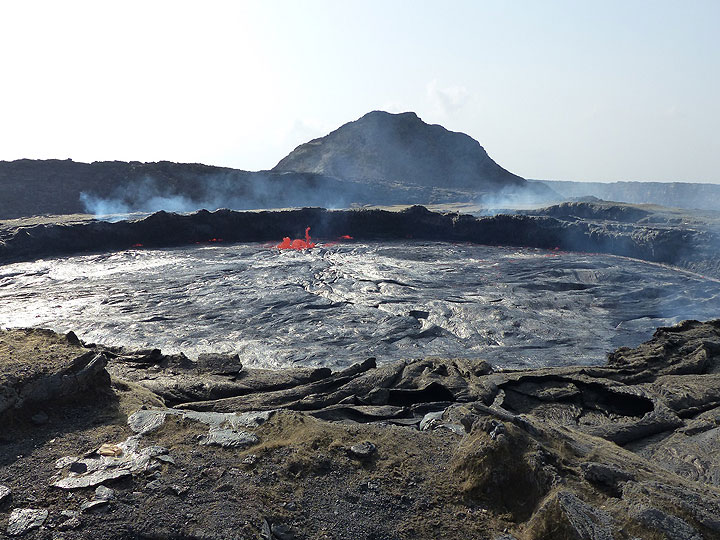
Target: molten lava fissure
{"x":297,"y":244}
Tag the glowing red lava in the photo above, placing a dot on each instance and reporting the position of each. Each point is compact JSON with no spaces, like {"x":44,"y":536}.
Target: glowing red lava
{"x":211,"y":240}
{"x":297,"y":244}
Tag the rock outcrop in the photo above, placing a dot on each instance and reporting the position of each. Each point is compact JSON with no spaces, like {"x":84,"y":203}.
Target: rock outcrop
{"x":39,"y":368}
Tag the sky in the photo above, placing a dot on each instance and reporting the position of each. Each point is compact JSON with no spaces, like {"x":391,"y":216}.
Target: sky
{"x":564,"y":90}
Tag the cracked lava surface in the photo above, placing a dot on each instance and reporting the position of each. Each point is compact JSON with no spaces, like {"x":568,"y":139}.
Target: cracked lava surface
{"x":332,"y":306}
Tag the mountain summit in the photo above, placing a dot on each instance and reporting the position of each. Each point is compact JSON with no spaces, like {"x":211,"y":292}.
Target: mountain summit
{"x":401,"y":148}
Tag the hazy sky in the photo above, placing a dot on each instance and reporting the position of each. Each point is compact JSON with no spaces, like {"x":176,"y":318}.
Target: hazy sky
{"x":571,"y":90}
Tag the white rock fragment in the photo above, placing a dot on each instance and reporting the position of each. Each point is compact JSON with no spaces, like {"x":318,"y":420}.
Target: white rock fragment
{"x":166,"y":459}
{"x":104,"y":493}
{"x":434,"y":420}
{"x":92,"y":479}
{"x":24,"y":519}
{"x":98,"y":469}
{"x":430,"y":420}
{"x":224,"y":428}
{"x":89,"y":506}
{"x":4,"y":492}
{"x":65,"y":461}
{"x":147,"y":420}
{"x":363,"y":450}
{"x":229,"y":438}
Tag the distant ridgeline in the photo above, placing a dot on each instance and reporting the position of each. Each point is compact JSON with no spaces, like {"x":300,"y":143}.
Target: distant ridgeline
{"x":381,"y":158}
{"x":34,"y":187}
{"x":671,"y":194}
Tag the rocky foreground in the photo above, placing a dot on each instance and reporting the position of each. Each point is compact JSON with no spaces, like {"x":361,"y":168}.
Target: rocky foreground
{"x":107,"y":443}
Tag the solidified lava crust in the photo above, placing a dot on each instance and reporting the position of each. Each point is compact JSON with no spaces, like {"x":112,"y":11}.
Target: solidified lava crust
{"x":324,"y":307}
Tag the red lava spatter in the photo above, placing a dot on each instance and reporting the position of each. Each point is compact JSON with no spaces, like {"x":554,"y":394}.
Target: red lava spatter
{"x":211,"y":240}
{"x":307,"y":243}
{"x":297,"y":244}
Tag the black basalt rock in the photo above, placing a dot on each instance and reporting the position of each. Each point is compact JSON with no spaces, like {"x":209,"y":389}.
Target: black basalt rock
{"x":681,"y":247}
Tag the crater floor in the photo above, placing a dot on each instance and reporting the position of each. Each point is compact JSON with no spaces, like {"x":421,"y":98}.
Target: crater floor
{"x":334,"y":305}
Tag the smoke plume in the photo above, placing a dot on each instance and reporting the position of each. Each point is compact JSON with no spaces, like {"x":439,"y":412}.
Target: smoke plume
{"x":236,"y":191}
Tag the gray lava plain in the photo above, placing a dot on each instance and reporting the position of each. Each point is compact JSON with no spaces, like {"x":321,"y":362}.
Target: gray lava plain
{"x":331,"y":306}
